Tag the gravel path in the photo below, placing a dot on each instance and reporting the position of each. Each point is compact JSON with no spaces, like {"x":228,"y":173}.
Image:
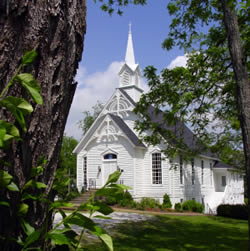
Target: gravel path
{"x":108,"y":224}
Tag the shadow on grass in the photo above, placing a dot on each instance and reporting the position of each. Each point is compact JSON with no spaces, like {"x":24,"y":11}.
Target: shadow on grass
{"x":181,"y":233}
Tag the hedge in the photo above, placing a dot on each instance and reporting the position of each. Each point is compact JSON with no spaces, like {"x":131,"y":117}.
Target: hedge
{"x":238,"y":211}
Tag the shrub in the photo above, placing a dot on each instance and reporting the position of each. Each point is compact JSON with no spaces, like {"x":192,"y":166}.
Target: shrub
{"x":127,"y":200}
{"x":166,"y":201}
{"x":177,"y":207}
{"x":110,"y":200}
{"x":191,"y":205}
{"x":148,"y":203}
{"x":238,"y":211}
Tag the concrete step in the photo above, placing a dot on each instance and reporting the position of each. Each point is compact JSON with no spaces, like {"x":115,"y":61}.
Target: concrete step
{"x":83,"y":197}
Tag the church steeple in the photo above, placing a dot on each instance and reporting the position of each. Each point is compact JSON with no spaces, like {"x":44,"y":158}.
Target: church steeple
{"x":130,"y":74}
{"x":130,"y":58}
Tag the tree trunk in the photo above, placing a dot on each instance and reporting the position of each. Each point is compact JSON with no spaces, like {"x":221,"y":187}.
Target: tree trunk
{"x":55,"y":29}
{"x":243,"y":85}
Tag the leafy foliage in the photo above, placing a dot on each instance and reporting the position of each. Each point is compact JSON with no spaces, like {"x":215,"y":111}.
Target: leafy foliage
{"x":166,"y":201}
{"x":65,"y":183}
{"x":233,"y":211}
{"x":146,"y":203}
{"x":177,"y":207}
{"x":192,"y":205}
{"x":202,"y":94}
{"x":89,"y":117}
{"x":111,"y":6}
{"x":33,"y":190}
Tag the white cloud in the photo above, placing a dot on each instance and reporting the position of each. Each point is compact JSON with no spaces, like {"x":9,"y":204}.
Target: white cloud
{"x":178,"y":61}
{"x":91,"y":88}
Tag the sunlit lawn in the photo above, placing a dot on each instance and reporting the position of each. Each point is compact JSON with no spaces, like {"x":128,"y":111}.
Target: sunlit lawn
{"x":180,"y":233}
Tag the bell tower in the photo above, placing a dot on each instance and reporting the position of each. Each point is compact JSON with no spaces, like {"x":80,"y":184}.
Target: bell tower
{"x":130,"y":73}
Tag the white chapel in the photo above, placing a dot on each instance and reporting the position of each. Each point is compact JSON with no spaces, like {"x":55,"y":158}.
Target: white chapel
{"x":113,"y":144}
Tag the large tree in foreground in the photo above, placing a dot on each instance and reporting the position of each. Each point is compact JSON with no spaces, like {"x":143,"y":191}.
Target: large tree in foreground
{"x":55,"y":29}
{"x":212,"y":92}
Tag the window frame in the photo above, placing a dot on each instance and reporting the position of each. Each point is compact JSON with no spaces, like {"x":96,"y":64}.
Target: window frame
{"x":181,"y":170}
{"x":202,"y":172}
{"x":211,"y":173}
{"x":157,"y":162}
{"x":85,"y":171}
{"x":110,"y":159}
{"x":192,"y":172}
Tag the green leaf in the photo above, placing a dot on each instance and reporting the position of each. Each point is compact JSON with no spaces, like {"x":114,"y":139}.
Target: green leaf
{"x":29,"y":57}
{"x":103,"y":208}
{"x":107,"y":240}
{"x":40,"y":185}
{"x":35,"y":171}
{"x":108,"y":192}
{"x":62,"y":236}
{"x":27,"y":228}
{"x":120,"y":186}
{"x":81,"y":220}
{"x":113,"y":177}
{"x":7,"y":131}
{"x":34,"y":236}
{"x":64,"y":216}
{"x":22,"y":209}
{"x":34,"y":184}
{"x":59,"y":204}
{"x":27,"y":196}
{"x":13,"y":187}
{"x":103,"y":217}
{"x":5,"y":178}
{"x":31,"y":85}
{"x":2,"y":135}
{"x":4,"y":203}
{"x":18,"y":107}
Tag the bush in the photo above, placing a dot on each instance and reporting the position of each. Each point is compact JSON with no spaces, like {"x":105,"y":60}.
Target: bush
{"x":238,"y":211}
{"x":177,"y":207}
{"x":127,"y":200}
{"x":191,"y":205}
{"x":110,"y":200}
{"x":148,"y":203}
{"x":166,"y":201}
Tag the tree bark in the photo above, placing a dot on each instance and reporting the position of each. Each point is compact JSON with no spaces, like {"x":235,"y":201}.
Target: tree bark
{"x":243,"y":85}
{"x":55,"y":29}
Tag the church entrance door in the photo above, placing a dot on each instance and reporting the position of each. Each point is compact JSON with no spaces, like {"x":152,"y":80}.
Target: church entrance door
{"x":108,"y":168}
{"x":109,"y":165}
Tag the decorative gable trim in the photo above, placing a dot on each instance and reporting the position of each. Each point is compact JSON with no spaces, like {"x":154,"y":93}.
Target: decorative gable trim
{"x":118,"y":129}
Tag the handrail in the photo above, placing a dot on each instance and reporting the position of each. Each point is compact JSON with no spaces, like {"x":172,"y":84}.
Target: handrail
{"x":92,"y":183}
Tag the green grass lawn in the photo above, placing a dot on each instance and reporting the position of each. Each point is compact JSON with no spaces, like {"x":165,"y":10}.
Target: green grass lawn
{"x":180,"y":233}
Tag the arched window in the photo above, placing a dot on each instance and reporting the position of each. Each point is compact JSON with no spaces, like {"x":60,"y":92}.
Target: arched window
{"x":110,"y":156}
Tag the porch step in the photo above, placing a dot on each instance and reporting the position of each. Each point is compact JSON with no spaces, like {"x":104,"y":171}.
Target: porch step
{"x":83,"y":197}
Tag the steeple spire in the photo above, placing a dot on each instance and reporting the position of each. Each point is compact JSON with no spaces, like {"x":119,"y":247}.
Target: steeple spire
{"x":130,"y":58}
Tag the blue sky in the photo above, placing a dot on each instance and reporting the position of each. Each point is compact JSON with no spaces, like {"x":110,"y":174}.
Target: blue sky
{"x":105,"y":47}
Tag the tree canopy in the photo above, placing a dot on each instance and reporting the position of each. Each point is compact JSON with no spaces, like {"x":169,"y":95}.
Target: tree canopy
{"x":90,"y":117}
{"x":202,"y":94}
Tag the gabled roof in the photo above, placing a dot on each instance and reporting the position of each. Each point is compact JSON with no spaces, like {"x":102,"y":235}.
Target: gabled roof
{"x":132,"y":68}
{"x":127,"y":131}
{"x":121,"y":89}
{"x":86,"y":137}
{"x":119,"y":122}
{"x":219,"y":165}
{"x":181,"y":131}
